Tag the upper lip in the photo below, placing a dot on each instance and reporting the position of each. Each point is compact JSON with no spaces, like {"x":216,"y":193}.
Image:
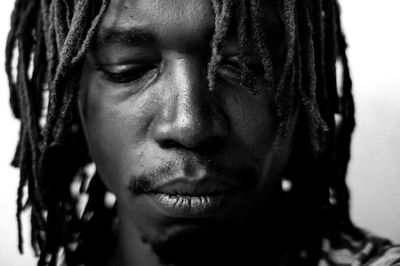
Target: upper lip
{"x":206,"y":186}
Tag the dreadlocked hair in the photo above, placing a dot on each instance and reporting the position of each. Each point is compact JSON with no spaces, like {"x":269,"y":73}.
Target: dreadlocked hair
{"x":48,"y":41}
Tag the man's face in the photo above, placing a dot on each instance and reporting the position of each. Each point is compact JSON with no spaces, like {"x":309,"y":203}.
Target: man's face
{"x":175,"y":153}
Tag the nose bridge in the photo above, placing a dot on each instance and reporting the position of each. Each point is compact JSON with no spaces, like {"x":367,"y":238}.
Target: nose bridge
{"x":191,"y":115}
{"x":193,"y":102}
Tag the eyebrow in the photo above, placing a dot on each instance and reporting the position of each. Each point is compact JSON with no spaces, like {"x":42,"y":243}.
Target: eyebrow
{"x":130,"y":37}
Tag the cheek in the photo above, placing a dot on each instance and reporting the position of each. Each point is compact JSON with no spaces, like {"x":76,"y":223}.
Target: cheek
{"x":115,"y":131}
{"x":254,"y":123}
{"x":257,"y":129}
{"x":255,"y":126}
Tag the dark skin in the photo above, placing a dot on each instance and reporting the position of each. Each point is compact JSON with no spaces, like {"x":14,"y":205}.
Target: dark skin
{"x":154,"y":128}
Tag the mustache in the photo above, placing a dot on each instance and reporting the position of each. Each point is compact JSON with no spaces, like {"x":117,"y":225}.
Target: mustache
{"x":242,"y":176}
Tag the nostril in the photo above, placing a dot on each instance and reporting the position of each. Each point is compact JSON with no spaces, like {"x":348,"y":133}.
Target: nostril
{"x":170,"y":144}
{"x":206,"y":146}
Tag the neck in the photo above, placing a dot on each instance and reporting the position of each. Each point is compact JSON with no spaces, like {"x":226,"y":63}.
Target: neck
{"x":131,"y":249}
{"x":257,"y":239}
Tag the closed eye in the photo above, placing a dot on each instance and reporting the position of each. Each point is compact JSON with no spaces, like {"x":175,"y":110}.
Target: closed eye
{"x":232,"y":65}
{"x":126,"y":74}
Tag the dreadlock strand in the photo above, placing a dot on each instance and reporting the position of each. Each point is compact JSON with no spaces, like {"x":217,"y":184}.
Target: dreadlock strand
{"x":242,"y":13}
{"x":34,"y":233}
{"x":345,"y":129}
{"x":60,"y":22}
{"x":282,"y":104}
{"x":70,"y":46}
{"x":76,"y":33}
{"x":10,"y":45}
{"x":24,"y":177}
{"x":17,"y":155}
{"x":214,"y":51}
{"x":29,"y":115}
{"x":217,"y":7}
{"x":64,"y":119}
{"x":330,"y":55}
{"x":71,"y":91}
{"x":39,"y":68}
{"x":246,"y":77}
{"x":309,"y":96}
{"x":30,"y":140}
{"x":91,"y":32}
{"x":310,"y":51}
{"x":348,"y":110}
{"x":325,"y":101}
{"x":222,"y":20}
{"x":290,"y":29}
{"x":289,"y":106}
{"x":319,"y":46}
{"x":47,"y":15}
{"x":69,"y":94}
{"x":311,"y":132}
{"x":21,"y":185}
{"x":25,"y":41}
{"x":260,"y":39}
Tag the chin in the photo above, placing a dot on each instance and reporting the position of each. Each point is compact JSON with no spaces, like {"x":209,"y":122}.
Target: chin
{"x":220,"y":243}
{"x":192,"y":246}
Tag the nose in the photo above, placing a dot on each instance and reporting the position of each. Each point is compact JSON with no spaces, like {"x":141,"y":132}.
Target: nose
{"x":191,"y":116}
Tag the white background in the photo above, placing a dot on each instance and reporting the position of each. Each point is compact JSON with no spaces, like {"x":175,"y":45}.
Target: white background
{"x":373,"y":32}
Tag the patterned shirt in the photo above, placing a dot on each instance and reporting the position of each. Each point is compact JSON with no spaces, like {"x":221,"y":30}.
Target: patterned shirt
{"x":370,"y":250}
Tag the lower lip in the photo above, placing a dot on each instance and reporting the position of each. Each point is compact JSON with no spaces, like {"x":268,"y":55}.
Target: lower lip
{"x":182,"y":206}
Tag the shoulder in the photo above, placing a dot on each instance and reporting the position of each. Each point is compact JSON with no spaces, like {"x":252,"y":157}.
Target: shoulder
{"x":365,"y":250}
{"x":389,"y":256}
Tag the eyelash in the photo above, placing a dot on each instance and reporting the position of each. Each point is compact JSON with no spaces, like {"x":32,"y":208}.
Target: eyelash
{"x":127,"y":76}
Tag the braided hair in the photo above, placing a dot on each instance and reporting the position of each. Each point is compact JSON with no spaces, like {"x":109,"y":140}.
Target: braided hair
{"x":48,"y":40}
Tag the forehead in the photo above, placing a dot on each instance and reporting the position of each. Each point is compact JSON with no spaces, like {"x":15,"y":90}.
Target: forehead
{"x":174,"y":21}
{"x":168,"y":18}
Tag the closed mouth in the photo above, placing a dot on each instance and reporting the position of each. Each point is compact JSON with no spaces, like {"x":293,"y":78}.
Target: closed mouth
{"x":192,"y":206}
{"x":204,"y":194}
{"x":188,"y":198}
